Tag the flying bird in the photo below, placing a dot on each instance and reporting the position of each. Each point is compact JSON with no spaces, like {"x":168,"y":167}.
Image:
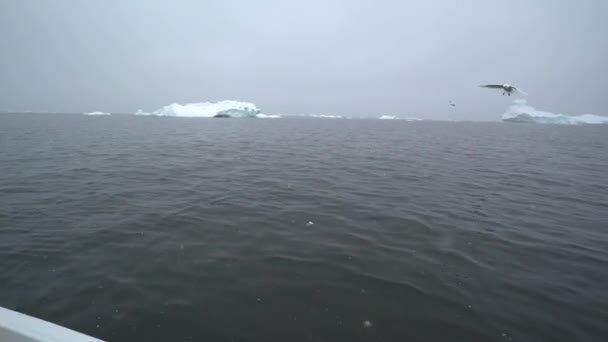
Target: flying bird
{"x":507,"y":89}
{"x":452,"y":104}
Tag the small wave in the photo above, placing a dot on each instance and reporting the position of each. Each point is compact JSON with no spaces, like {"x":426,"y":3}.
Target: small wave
{"x":388,"y":117}
{"x":521,"y":111}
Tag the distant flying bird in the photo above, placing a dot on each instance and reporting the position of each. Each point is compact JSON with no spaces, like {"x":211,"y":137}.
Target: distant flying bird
{"x":507,"y":89}
{"x":452,"y":104}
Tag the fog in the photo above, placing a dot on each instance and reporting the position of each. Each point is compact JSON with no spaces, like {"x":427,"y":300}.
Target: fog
{"x":353,"y":58}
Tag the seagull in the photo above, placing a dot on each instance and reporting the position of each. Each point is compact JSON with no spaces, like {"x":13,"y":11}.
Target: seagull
{"x":506,"y":87}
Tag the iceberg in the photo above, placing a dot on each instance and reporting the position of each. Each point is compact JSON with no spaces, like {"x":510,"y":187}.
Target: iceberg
{"x":141,"y":112}
{"x":388,"y":117}
{"x":521,"y":111}
{"x":326,"y":116}
{"x":207,"y":110}
{"x":96,"y":113}
{"x":266,"y":116}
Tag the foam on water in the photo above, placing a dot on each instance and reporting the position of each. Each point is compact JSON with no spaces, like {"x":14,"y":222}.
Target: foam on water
{"x":388,"y":117}
{"x":521,"y":111}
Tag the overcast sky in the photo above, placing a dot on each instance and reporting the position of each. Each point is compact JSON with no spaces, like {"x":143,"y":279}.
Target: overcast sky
{"x":350,"y":57}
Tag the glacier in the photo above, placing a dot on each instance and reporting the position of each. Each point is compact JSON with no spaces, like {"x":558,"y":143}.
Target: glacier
{"x":521,"y":111}
{"x":209,"y":109}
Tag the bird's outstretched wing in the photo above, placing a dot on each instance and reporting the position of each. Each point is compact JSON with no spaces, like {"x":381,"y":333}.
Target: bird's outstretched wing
{"x":497,"y":86}
{"x":521,"y":91}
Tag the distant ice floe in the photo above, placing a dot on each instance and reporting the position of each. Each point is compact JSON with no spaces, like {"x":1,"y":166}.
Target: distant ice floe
{"x":325,"y":116}
{"x":141,"y":112}
{"x":392,"y":117}
{"x":96,"y":113}
{"x":267,"y":116}
{"x":520,"y":111}
{"x":222,"y":109}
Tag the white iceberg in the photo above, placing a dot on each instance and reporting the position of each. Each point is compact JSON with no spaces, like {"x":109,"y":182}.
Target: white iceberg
{"x":267,"y":116}
{"x":96,"y":113}
{"x":325,"y":116}
{"x":388,"y":117}
{"x":207,"y":110}
{"x":520,"y":111}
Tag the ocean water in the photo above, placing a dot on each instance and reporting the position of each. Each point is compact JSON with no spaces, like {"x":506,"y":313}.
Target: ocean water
{"x":173,"y":229}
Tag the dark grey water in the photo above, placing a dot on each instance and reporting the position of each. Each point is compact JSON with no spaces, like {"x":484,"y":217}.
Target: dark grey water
{"x":163,"y":229}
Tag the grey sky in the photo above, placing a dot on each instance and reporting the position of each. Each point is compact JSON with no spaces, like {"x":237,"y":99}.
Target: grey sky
{"x":351,"y":57}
